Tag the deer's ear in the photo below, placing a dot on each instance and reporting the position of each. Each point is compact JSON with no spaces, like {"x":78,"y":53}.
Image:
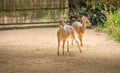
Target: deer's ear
{"x":64,"y":18}
{"x":83,"y":17}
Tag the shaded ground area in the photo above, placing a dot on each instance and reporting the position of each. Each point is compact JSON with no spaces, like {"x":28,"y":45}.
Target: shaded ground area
{"x":35,"y":51}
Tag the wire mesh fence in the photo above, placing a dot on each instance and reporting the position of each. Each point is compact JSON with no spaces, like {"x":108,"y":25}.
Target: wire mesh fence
{"x":31,"y":11}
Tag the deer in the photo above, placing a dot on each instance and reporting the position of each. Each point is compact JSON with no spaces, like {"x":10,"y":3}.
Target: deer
{"x":80,"y":28}
{"x":65,"y":32}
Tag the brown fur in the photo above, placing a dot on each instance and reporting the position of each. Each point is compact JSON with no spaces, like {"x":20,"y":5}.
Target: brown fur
{"x":81,"y":28}
{"x":63,"y":33}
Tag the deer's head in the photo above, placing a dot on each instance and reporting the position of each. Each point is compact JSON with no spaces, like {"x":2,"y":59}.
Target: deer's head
{"x":86,"y":21}
{"x":61,"y":23}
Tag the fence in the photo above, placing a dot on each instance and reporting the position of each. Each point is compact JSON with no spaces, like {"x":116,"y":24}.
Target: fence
{"x":15,"y":12}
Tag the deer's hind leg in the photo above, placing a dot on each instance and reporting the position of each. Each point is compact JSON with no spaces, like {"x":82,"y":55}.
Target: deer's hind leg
{"x":80,"y":38}
{"x":77,"y":43}
{"x":67,"y":46}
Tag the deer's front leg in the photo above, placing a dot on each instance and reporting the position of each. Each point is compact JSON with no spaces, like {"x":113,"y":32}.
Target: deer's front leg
{"x":63,"y":46}
{"x":58,"y":46}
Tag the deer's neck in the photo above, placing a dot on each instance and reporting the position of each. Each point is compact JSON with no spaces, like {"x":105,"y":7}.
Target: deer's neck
{"x":62,"y":33}
{"x":62,"y":30}
{"x":84,"y":26}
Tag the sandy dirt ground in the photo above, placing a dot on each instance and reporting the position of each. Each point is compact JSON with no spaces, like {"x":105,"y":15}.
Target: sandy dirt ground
{"x":35,"y":51}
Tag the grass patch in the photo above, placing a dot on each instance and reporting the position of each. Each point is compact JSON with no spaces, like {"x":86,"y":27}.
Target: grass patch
{"x":100,"y":29}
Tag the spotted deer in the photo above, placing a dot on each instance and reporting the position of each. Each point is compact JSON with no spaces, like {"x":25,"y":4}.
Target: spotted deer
{"x":63,"y":33}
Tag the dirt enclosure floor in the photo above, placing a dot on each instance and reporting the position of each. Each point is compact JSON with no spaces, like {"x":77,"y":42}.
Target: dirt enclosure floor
{"x":35,"y":51}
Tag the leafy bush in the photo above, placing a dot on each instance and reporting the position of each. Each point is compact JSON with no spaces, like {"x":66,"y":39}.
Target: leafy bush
{"x":92,"y":9}
{"x":111,"y":26}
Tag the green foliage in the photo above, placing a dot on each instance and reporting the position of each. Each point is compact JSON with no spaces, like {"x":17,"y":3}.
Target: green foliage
{"x":116,"y":34}
{"x":112,"y":25}
{"x":100,"y":28}
{"x":92,"y":9}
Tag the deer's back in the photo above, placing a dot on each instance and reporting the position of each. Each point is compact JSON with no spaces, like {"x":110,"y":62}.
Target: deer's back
{"x":78,"y":27}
